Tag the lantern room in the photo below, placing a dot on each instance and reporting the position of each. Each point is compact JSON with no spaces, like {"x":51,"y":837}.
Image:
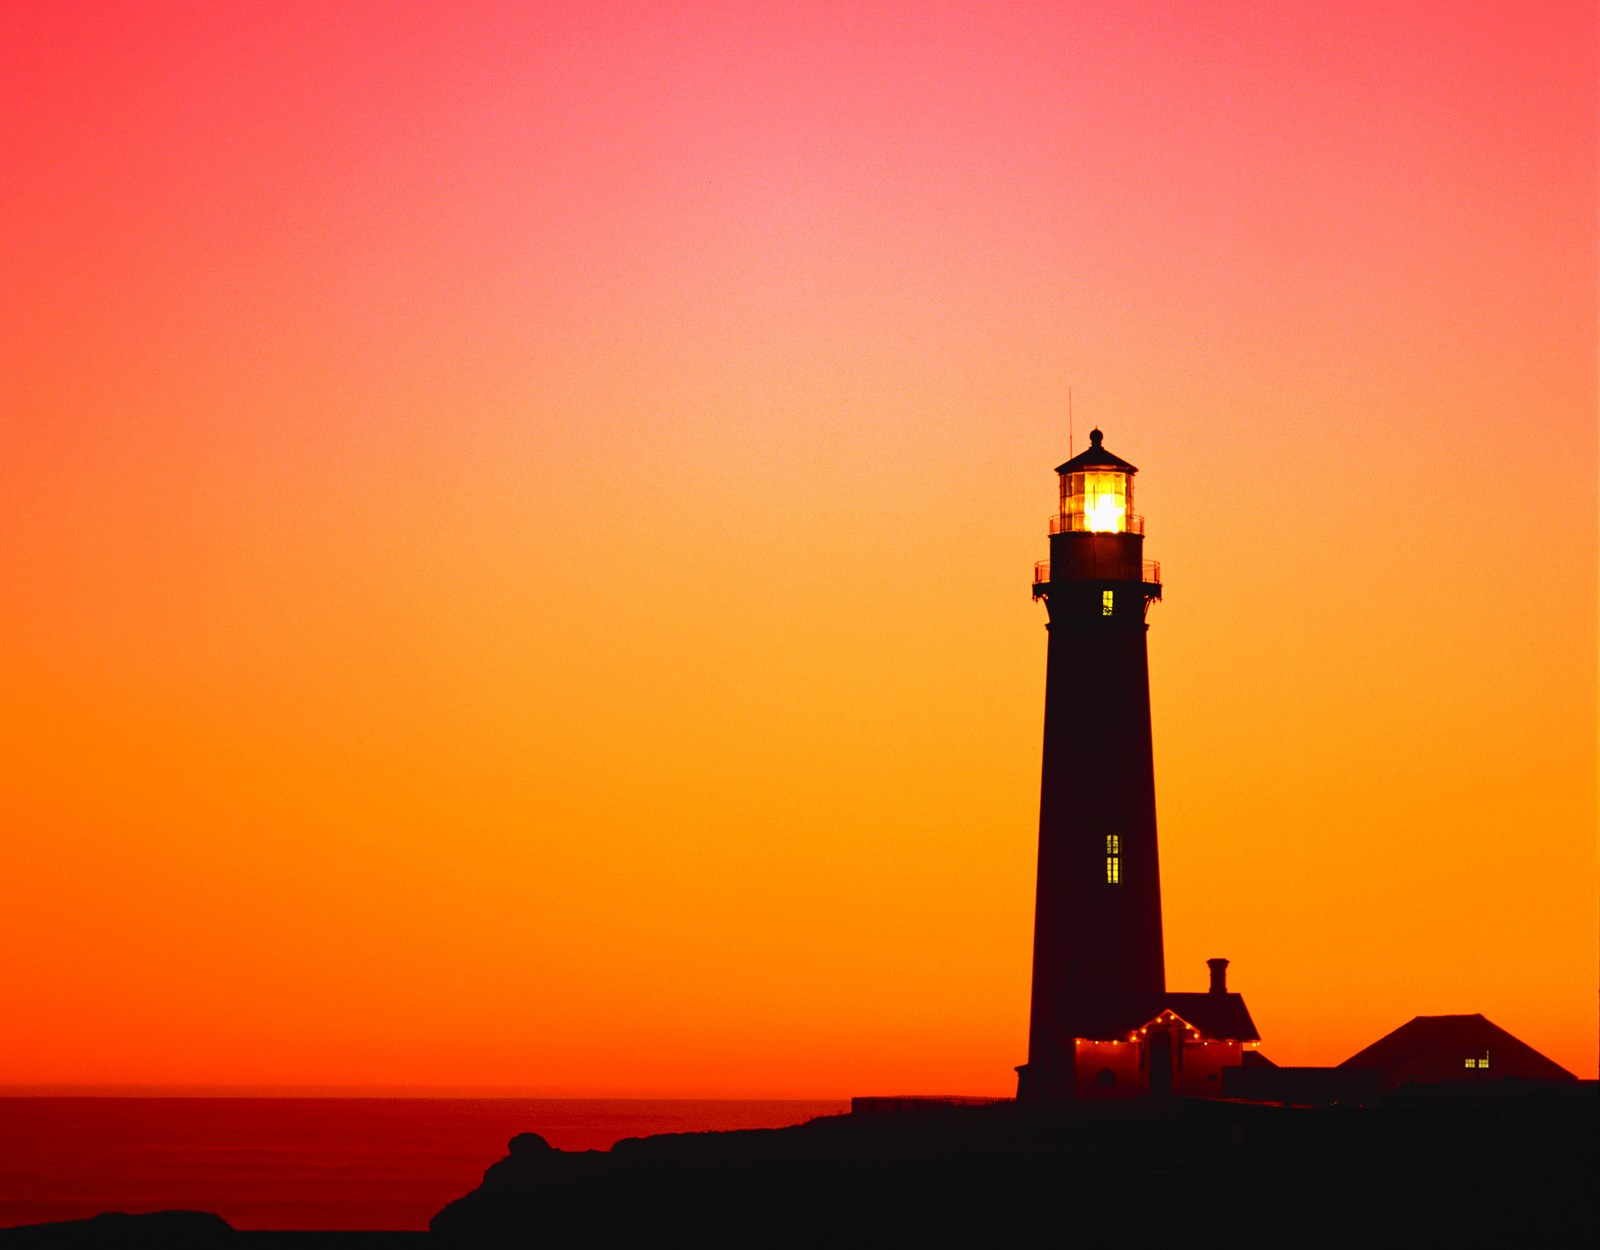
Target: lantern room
{"x":1097,"y":493}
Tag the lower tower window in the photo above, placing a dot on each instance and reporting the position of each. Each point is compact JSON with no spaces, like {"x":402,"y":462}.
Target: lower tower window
{"x":1108,"y":600}
{"x":1113,"y":858}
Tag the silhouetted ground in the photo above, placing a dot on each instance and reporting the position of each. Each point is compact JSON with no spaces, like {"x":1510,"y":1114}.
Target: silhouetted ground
{"x":1499,"y":1166}
{"x":1191,"y":1173}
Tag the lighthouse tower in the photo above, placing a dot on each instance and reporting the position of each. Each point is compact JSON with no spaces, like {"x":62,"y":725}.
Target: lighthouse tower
{"x":1098,"y":972}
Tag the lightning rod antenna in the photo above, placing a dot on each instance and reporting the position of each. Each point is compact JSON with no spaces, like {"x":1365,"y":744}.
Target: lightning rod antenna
{"x":1070,"y":448}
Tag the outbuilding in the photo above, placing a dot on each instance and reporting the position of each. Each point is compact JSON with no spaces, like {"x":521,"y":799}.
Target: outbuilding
{"x":1430,"y":1050}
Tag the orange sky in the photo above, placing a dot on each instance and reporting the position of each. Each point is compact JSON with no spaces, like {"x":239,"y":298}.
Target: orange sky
{"x":518,"y":525}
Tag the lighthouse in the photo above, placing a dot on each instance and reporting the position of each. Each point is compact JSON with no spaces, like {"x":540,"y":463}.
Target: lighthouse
{"x":1102,"y":1023}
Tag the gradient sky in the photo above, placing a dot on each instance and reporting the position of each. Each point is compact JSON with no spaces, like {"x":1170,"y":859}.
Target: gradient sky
{"x":518,"y":522}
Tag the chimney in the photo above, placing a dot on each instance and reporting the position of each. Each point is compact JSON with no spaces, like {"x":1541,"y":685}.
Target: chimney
{"x":1219,"y":975}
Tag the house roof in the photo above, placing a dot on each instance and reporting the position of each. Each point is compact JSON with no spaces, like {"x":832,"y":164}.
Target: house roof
{"x":1097,"y":457}
{"x":1218,"y":1017}
{"x":1426,"y":1034}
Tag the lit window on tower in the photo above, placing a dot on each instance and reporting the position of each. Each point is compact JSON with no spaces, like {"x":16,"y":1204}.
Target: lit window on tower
{"x":1478,"y":1061}
{"x":1107,"y":601}
{"x":1113,"y":859}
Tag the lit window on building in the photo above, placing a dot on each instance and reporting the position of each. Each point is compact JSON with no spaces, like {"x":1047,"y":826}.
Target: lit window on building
{"x":1113,"y":859}
{"x":1478,"y":1061}
{"x":1107,"y":602}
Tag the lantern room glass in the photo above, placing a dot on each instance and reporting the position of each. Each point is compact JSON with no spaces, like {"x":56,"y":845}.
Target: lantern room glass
{"x":1099,"y":501}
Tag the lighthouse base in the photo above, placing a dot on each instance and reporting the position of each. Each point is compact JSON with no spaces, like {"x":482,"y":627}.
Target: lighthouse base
{"x":1038,"y":1083}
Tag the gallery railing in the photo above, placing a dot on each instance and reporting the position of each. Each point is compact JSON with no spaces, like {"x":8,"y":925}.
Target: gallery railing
{"x":1148,"y":571}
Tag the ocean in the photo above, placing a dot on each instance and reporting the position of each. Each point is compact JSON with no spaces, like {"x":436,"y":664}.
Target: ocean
{"x":309,"y":1163}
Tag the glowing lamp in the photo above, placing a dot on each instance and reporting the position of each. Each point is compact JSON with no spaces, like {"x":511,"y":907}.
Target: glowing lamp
{"x":1100,"y":499}
{"x":1096,"y":493}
